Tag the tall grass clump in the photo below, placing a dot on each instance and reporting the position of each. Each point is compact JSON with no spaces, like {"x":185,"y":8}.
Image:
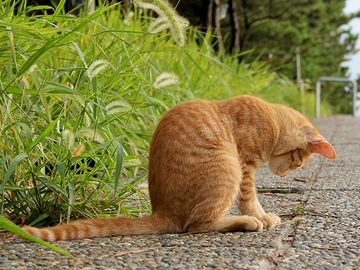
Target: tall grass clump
{"x":81,"y":95}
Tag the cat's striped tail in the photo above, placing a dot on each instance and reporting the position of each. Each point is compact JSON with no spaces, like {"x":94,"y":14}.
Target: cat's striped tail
{"x":99,"y":227}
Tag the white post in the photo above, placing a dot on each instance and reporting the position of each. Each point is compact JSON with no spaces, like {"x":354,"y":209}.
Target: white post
{"x":335,"y":79}
{"x":299,"y":80}
{"x":354,"y":84}
{"x":298,"y":64}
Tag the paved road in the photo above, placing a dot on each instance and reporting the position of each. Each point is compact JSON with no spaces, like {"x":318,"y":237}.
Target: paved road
{"x":320,"y":207}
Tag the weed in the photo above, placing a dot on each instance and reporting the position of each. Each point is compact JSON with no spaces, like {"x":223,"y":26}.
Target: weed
{"x":298,"y":209}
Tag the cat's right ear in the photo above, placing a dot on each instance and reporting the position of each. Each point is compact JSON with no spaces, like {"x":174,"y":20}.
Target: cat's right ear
{"x":322,"y":147}
{"x":318,"y":144}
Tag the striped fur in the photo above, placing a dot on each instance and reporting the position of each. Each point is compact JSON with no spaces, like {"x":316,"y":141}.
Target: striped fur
{"x":99,"y":227}
{"x":203,"y":157}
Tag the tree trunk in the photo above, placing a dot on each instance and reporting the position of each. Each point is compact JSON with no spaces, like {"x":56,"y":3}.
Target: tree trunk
{"x":218,"y":26}
{"x":235,"y":27}
{"x":210,"y":15}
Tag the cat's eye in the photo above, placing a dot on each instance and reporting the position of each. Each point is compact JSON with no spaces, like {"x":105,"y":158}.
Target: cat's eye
{"x":283,"y":154}
{"x":288,"y":152}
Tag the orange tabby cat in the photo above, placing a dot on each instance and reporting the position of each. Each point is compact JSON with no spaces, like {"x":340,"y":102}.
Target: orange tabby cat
{"x":202,"y":158}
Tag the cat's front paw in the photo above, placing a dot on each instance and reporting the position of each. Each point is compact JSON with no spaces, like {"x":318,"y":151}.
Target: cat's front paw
{"x":253,"y":224}
{"x":270,"y":220}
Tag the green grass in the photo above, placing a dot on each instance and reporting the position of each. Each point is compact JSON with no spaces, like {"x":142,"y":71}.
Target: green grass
{"x":11,"y":227}
{"x":79,"y":104}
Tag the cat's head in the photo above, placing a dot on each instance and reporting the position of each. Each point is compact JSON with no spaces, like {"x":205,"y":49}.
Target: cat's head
{"x":297,"y":144}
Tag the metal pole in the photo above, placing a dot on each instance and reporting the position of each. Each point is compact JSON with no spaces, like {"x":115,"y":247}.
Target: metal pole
{"x":299,"y":80}
{"x":354,"y":84}
{"x":317,"y":101}
{"x":335,"y":79}
{"x":298,"y":65}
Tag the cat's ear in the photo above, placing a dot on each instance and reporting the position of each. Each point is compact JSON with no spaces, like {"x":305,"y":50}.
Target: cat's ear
{"x":319,"y":145}
{"x":323,"y":148}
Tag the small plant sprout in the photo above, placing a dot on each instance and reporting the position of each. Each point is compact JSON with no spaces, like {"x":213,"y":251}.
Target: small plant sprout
{"x":167,"y":19}
{"x":298,"y":209}
{"x":165,"y":79}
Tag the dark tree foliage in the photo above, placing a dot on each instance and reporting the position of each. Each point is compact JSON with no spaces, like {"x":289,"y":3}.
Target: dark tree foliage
{"x":272,"y":31}
{"x":70,"y":6}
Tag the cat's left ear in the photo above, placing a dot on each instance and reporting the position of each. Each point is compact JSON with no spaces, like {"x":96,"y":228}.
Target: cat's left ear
{"x":319,"y":145}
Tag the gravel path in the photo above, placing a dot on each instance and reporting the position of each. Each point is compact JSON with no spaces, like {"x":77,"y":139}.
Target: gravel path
{"x":325,"y":236}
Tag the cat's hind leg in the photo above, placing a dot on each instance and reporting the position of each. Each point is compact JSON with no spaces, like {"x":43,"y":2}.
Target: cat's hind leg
{"x":217,"y":186}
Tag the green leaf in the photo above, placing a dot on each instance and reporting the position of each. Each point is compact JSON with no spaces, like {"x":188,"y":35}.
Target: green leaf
{"x":61,"y":169}
{"x":9,"y":172}
{"x":11,"y":227}
{"x":54,"y":187}
{"x":119,"y":161}
{"x":28,"y":9}
{"x":51,"y":43}
{"x":60,"y":8}
{"x":38,"y":219}
{"x":11,"y":89}
{"x":71,"y":197}
{"x":44,"y":133}
{"x":59,"y":89}
{"x":26,"y":133}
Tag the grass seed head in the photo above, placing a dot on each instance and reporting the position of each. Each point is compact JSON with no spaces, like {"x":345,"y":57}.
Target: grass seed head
{"x":68,"y":138}
{"x":96,"y":67}
{"x":90,"y":134}
{"x":167,"y":19}
{"x":165,"y":79}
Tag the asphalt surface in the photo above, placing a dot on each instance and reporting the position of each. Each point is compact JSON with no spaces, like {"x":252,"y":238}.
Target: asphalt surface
{"x":319,"y":206}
